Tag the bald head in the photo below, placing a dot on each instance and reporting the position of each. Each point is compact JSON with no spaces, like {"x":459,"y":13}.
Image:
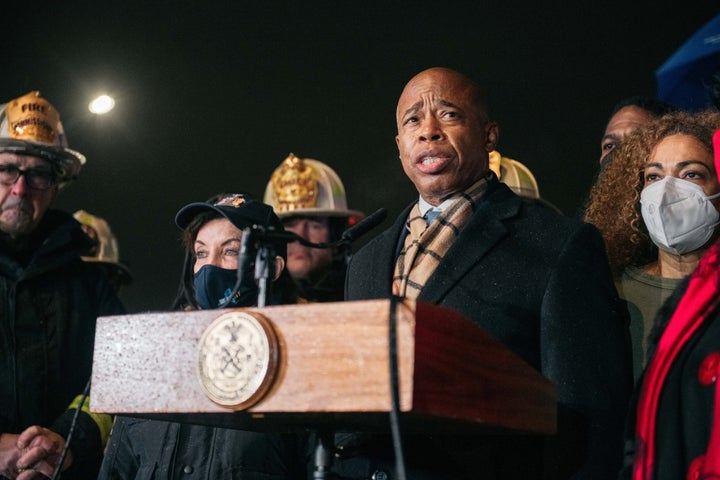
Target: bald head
{"x":444,"y":135}
{"x":447,"y":79}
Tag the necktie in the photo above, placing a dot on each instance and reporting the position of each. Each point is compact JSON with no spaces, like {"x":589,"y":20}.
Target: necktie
{"x":431,"y":215}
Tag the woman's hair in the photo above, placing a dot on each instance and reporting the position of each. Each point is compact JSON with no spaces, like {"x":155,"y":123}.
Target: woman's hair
{"x":185,"y":297}
{"x":613,"y":205}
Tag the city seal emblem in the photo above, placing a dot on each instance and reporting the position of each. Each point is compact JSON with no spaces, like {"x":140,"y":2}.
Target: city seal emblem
{"x":237,"y":359}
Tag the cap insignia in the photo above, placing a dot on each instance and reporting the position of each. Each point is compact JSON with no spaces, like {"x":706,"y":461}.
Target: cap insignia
{"x":231,"y":201}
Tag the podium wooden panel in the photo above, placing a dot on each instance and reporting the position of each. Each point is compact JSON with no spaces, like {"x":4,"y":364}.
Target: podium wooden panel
{"x":333,"y":368}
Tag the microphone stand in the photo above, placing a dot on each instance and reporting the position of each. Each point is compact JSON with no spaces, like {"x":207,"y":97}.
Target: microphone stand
{"x":262,"y":239}
{"x":264,"y":271}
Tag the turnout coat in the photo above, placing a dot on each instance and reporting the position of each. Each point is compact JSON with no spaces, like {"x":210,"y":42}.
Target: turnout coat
{"x":539,"y":282}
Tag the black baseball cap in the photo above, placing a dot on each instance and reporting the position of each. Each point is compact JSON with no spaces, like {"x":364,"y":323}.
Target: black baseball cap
{"x":242,"y":211}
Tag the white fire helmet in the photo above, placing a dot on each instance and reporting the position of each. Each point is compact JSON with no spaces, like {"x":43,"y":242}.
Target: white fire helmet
{"x":106,"y":250}
{"x":514,"y":174}
{"x":30,"y":125}
{"x":307,"y":187}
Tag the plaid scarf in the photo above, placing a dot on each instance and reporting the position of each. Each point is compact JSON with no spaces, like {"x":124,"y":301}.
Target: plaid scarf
{"x":426,"y":245}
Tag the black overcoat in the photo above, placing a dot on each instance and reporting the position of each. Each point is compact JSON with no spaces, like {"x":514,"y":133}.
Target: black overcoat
{"x":539,"y":282}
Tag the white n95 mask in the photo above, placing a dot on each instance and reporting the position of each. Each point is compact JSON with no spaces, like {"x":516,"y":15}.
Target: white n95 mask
{"x":679,"y":216}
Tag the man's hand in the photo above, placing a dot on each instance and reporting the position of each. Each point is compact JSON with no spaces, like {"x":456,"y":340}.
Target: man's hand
{"x":40,"y":450}
{"x":9,"y":455}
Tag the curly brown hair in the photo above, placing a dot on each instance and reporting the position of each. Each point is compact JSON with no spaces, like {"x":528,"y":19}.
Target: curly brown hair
{"x":613,"y":205}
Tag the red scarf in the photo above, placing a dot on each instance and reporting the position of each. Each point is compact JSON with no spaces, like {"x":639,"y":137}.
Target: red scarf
{"x":700,"y":299}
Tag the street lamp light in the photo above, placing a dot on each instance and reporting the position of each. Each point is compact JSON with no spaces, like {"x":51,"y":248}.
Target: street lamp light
{"x":101,"y":105}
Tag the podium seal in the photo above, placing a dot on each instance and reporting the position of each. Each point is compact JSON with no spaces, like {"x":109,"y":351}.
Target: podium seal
{"x":237,"y":359}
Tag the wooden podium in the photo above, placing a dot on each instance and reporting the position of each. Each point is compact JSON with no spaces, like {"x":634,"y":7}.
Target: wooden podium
{"x":332,"y":370}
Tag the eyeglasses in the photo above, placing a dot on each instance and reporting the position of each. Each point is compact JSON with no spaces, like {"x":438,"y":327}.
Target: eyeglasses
{"x":35,"y":178}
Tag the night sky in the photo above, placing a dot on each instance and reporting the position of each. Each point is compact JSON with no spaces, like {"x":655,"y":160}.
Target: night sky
{"x":212,"y":96}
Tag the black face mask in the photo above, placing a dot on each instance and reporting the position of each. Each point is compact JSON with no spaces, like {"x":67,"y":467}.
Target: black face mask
{"x":214,"y":284}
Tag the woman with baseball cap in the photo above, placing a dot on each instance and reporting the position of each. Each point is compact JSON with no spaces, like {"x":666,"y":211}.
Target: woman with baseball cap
{"x":212,"y":236}
{"x":138,"y":448}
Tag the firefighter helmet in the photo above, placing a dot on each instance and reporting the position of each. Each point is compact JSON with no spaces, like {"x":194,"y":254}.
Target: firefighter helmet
{"x":515,"y":175}
{"x":30,"y":125}
{"x":106,"y":249}
{"x":307,"y":187}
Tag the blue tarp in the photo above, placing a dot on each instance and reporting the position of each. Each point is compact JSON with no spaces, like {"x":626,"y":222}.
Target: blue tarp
{"x":682,"y":78}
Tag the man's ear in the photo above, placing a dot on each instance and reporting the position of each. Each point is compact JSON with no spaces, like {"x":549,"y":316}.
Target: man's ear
{"x":492,"y":133}
{"x":279,"y":267}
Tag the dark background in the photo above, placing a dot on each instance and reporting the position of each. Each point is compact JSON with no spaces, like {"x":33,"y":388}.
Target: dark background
{"x":212,"y":96}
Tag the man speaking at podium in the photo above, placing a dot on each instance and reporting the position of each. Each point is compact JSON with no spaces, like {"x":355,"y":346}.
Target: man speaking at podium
{"x":535,"y":280}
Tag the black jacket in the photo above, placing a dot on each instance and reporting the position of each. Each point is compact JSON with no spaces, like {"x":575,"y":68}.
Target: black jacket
{"x":151,"y":449}
{"x":50,"y":300}
{"x":539,"y":282}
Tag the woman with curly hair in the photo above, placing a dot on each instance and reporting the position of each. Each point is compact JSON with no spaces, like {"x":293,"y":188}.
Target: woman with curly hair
{"x":656,"y":205}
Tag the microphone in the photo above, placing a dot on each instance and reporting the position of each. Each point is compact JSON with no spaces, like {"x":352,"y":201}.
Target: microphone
{"x":364,"y":226}
{"x":271,"y":234}
{"x":351,"y":234}
{"x":247,"y":248}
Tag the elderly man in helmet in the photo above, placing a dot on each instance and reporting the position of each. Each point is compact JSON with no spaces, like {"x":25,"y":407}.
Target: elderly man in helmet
{"x":50,"y":300}
{"x":309,"y":198}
